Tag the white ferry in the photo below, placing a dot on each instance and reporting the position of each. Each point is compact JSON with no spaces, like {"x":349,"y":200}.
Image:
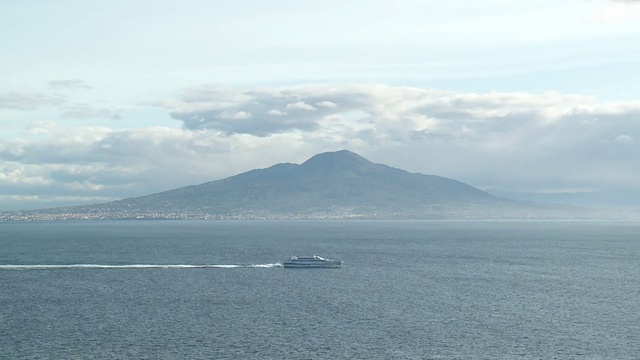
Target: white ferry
{"x":314,"y":261}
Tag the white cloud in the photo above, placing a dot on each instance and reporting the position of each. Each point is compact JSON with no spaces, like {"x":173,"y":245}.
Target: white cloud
{"x":327,"y":104}
{"x":301,"y":105}
{"x":624,"y":139}
{"x":240,"y":115}
{"x":275,"y":112}
{"x":614,"y":12}
{"x":100,"y":162}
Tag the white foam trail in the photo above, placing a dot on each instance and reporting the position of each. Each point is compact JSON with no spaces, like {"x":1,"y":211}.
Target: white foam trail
{"x":134,"y":266}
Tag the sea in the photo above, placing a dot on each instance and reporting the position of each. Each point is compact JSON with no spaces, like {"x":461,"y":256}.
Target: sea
{"x":406,"y":290}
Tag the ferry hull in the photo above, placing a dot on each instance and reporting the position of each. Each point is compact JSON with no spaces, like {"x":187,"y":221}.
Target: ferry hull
{"x":327,"y":265}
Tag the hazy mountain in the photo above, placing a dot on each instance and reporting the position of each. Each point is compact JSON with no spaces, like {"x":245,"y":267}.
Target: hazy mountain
{"x":619,"y":198}
{"x":338,"y":184}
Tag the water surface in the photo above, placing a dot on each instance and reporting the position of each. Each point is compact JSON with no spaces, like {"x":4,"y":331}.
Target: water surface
{"x":407,"y":290}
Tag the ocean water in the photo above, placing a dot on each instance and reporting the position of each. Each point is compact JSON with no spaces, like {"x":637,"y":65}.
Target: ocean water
{"x":407,"y":290}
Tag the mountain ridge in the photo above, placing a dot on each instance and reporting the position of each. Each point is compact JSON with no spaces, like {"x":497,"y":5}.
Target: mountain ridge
{"x":334,"y":178}
{"x":330,"y":185}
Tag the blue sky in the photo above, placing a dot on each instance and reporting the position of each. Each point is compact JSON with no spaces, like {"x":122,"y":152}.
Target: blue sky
{"x":104,"y":100}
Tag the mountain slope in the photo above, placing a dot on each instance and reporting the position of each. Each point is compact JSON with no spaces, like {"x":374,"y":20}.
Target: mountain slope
{"x":326,"y":183}
{"x":337,"y":185}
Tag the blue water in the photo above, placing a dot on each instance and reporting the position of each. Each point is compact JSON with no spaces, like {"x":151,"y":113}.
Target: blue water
{"x":407,"y":290}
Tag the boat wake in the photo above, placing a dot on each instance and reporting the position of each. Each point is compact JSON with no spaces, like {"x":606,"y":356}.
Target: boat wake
{"x":136,"y":266}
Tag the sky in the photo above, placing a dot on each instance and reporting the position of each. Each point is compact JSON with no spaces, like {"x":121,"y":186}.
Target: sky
{"x":104,"y":100}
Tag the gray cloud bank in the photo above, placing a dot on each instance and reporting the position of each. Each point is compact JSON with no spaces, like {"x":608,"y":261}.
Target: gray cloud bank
{"x":27,"y":101}
{"x":520,"y":138}
{"x":69,"y":84}
{"x":514,"y":141}
{"x":84,"y":111}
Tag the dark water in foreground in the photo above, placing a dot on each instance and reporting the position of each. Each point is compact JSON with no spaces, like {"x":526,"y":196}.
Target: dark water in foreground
{"x":407,"y":290}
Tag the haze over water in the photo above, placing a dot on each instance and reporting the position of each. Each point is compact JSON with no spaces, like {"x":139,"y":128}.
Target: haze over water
{"x":407,"y":290}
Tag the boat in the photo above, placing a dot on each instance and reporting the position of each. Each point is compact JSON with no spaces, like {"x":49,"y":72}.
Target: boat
{"x":311,"y":262}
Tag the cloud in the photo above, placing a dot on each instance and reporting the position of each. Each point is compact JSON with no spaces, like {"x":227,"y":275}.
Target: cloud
{"x":519,"y":141}
{"x":275,"y":112}
{"x":494,"y":138}
{"x":618,"y":11}
{"x":240,"y":115}
{"x":260,"y":113}
{"x":69,"y":84}
{"x":301,"y":105}
{"x":84,"y":111}
{"x":624,"y":139}
{"x":99,"y":162}
{"x":327,"y":104}
{"x":27,"y":101}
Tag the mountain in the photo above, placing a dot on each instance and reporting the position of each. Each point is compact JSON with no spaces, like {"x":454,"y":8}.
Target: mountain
{"x":332,"y":185}
{"x":619,"y":198}
{"x":335,"y":184}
